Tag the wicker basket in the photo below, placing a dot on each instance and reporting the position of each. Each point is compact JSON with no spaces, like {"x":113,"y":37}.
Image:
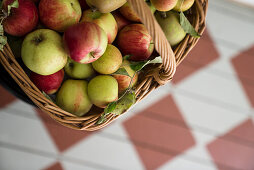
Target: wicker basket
{"x":152,"y":79}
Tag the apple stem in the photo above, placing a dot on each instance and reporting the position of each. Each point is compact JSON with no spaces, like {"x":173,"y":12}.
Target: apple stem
{"x":92,"y":55}
{"x":94,"y":9}
{"x":163,"y":14}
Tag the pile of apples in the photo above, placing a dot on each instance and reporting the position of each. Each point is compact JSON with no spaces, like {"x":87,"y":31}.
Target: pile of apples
{"x":72,"y":48}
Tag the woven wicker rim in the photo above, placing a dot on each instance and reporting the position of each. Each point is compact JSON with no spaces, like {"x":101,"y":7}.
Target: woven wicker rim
{"x":154,"y":78}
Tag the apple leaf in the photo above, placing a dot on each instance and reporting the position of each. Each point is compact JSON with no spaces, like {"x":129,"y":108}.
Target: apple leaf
{"x":110,"y":108}
{"x":47,"y":96}
{"x":124,"y":103}
{"x":187,"y":27}
{"x":127,"y":57}
{"x":1,"y":29}
{"x":121,"y":71}
{"x":137,"y":66}
{"x":14,"y":4}
{"x":3,"y":41}
{"x":118,"y":107}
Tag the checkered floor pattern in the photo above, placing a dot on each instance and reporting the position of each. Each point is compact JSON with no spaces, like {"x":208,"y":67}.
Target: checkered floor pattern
{"x":202,"y":120}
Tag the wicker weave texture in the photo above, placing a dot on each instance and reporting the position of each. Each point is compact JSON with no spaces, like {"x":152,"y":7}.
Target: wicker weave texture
{"x":153,"y":78}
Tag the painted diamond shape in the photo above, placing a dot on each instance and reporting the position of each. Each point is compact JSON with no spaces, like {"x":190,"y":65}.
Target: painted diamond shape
{"x":6,"y":98}
{"x":203,"y":54}
{"x":229,"y":153}
{"x":158,"y":142}
{"x":55,"y":166}
{"x":63,"y":137}
{"x":243,"y":64}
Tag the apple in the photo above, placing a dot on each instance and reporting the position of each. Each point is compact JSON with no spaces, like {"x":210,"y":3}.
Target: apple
{"x":35,"y":1}
{"x":135,"y":40}
{"x":164,"y":5}
{"x":102,"y":90}
{"x":183,"y":5}
{"x":106,"y":6}
{"x":171,"y":27}
{"x":127,"y":11}
{"x":59,"y":14}
{"x":72,"y":97}
{"x":120,"y":20}
{"x":152,"y":8}
{"x":83,"y":5}
{"x":85,"y":42}
{"x":21,"y":20}
{"x":125,"y":81}
{"x":50,"y":83}
{"x":78,"y":71}
{"x":43,"y":53}
{"x":106,"y":21}
{"x":109,"y":62}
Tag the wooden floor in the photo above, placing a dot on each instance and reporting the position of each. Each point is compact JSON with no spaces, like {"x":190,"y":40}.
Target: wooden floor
{"x":203,"y":120}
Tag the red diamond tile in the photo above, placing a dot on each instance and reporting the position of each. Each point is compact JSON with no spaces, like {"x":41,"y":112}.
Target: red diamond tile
{"x":142,"y":128}
{"x":232,"y":154}
{"x":201,"y":55}
{"x":63,"y":137}
{"x":5,"y":98}
{"x":55,"y":166}
{"x":243,"y":64}
{"x":153,"y":159}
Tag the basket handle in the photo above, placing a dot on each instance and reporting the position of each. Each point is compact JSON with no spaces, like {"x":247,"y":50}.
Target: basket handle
{"x":167,"y":70}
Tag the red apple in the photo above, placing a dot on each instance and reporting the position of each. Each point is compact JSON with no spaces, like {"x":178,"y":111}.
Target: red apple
{"x":164,"y":5}
{"x":135,"y":40}
{"x":83,"y":5}
{"x":85,"y":42}
{"x":105,"y":20}
{"x":22,"y":20}
{"x":123,"y":80}
{"x":59,"y":14}
{"x":35,"y":1}
{"x":120,"y":20}
{"x":49,"y":84}
{"x":129,"y":13}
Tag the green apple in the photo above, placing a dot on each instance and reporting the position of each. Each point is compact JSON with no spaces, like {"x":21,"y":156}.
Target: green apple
{"x":105,"y":6}
{"x":72,"y":97}
{"x":170,"y":25}
{"x":106,"y":21}
{"x":109,"y":62}
{"x":152,"y":8}
{"x":123,"y":80}
{"x":183,"y":5}
{"x":78,"y":71}
{"x":102,"y":90}
{"x":43,"y":52}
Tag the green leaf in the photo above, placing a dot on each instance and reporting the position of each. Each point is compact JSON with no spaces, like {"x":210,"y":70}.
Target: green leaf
{"x":101,"y":120}
{"x":1,"y":29}
{"x":121,"y":71}
{"x":14,"y":4}
{"x":3,"y":41}
{"x":137,"y":66}
{"x":124,"y":103}
{"x":187,"y":27}
{"x":47,"y":96}
{"x":110,"y":108}
{"x":127,"y":57}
